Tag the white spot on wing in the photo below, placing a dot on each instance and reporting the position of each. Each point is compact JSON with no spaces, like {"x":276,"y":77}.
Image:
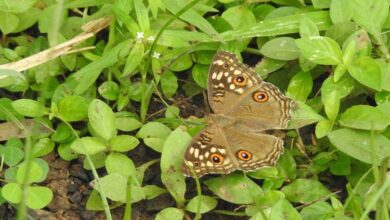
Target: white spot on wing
{"x":196,"y":153}
{"x":219,"y":62}
{"x":213,"y":150}
{"x":192,"y":150}
{"x":219,"y":77}
{"x":232,"y":86}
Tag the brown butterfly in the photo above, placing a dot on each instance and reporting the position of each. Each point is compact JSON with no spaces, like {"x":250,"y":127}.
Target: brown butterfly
{"x":246,"y":109}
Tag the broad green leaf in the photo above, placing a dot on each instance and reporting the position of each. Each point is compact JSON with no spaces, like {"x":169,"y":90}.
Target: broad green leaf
{"x":300,"y":86}
{"x":38,"y":197}
{"x":12,"y":155}
{"x":282,"y":48}
{"x":303,"y":115}
{"x":88,"y":145}
{"x":359,"y":144}
{"x":170,"y":214}
{"x":156,"y":144}
{"x":349,"y":53}
{"x":73,"y":108}
{"x":278,"y":26}
{"x":181,"y":63}
{"x":200,"y":74}
{"x":134,"y":59}
{"x":239,"y":16}
{"x":320,"y":50}
{"x":207,"y":204}
{"x":12,"y":192}
{"x":331,"y":103}
{"x":305,"y":190}
{"x":344,"y":86}
{"x":8,"y":22}
{"x":370,"y":14}
{"x":123,"y":143}
{"x":42,"y":147}
{"x":127,"y":123}
{"x":340,"y":11}
{"x":235,"y":188}
{"x":385,"y":108}
{"x":308,"y":28}
{"x":323,"y":128}
{"x":169,"y":84}
{"x":49,"y":15}
{"x":102,"y":119}
{"x":9,"y":77}
{"x":339,"y":72}
{"x":171,"y":164}
{"x":30,"y":174}
{"x":154,"y":129}
{"x":364,"y":117}
{"x":114,"y":186}
{"x":65,"y":151}
{"x":367,"y":71}
{"x":318,"y":210}
{"x":16,"y":6}
{"x":341,"y":165}
{"x":29,"y":108}
{"x":109,"y":90}
{"x":385,"y":68}
{"x":120,"y":163}
{"x":63,"y":134}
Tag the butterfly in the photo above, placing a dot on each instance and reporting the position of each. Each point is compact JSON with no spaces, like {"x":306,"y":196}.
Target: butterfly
{"x":246,"y":110}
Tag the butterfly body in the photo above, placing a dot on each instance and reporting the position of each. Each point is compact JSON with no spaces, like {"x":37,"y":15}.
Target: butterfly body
{"x":244,"y":107}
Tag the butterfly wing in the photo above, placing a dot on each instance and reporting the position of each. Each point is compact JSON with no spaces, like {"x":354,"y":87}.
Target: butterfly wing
{"x":265,"y":107}
{"x":208,"y":153}
{"x":253,"y":151}
{"x":226,"y":69}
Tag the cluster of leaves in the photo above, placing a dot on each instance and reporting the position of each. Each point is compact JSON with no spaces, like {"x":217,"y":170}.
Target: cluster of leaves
{"x":330,"y":56}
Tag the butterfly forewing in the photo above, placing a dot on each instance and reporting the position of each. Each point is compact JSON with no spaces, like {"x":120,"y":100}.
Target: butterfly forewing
{"x":228,"y":80}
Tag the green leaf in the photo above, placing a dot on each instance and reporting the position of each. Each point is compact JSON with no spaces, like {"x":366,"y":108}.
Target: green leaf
{"x":123,"y":143}
{"x":331,"y":103}
{"x":191,"y":16}
{"x":50,"y":15}
{"x":29,"y":108}
{"x":339,"y":72}
{"x":279,"y":26}
{"x":169,"y":84}
{"x":13,"y":80}
{"x":127,"y":123}
{"x":114,"y":186}
{"x":268,"y":65}
{"x":16,"y":6}
{"x":120,"y":163}
{"x":102,"y":119}
{"x":73,"y":108}
{"x":300,"y":86}
{"x":359,"y":144}
{"x":344,"y":86}
{"x":307,"y":27}
{"x":65,"y":151}
{"x":282,"y":48}
{"x":370,"y":14}
{"x":171,"y":164}
{"x":142,"y":15}
{"x":88,"y":145}
{"x":239,"y":16}
{"x":303,"y":115}
{"x":318,"y":210}
{"x":42,"y":147}
{"x":207,"y":204}
{"x":182,"y":63}
{"x":323,"y":128}
{"x":30,"y":174}
{"x":364,"y":117}
{"x":12,"y":192}
{"x":109,"y":90}
{"x":367,"y":71}
{"x":38,"y":197}
{"x":320,"y":50}
{"x":170,"y":214}
{"x":341,"y":165}
{"x":235,"y":188}
{"x":154,"y":129}
{"x":8,"y":22}
{"x":340,"y":11}
{"x":63,"y":134}
{"x":12,"y":155}
{"x":156,"y":144}
{"x":200,"y":74}
{"x":134,"y":59}
{"x":305,"y":190}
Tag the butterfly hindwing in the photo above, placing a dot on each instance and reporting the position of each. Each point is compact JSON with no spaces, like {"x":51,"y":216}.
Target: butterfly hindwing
{"x":203,"y":153}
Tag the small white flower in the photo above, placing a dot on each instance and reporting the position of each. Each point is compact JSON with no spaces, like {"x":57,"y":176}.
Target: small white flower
{"x":140,"y":36}
{"x":151,"y":38}
{"x":156,"y":55}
